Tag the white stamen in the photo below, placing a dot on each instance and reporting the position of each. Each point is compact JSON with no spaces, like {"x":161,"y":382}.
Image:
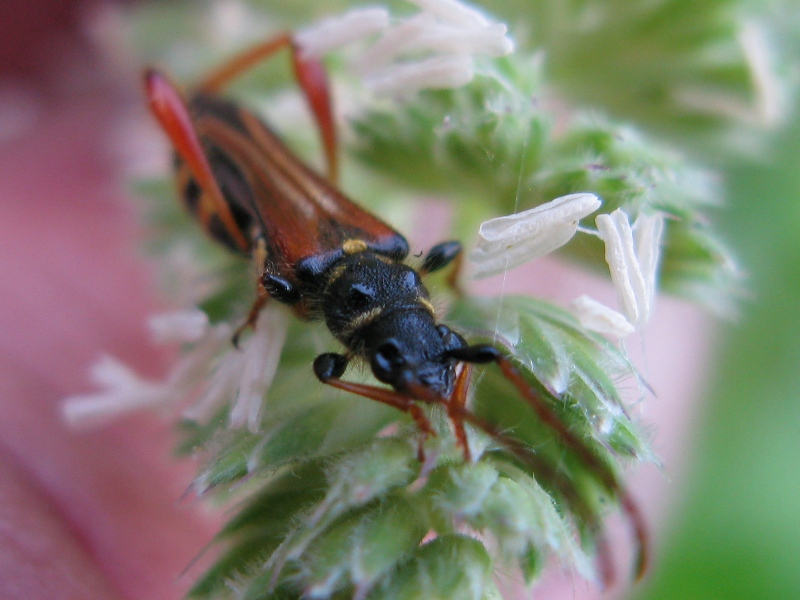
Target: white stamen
{"x":180,"y":326}
{"x":261,"y":354}
{"x":649,"y":230}
{"x":219,"y":389}
{"x":433,"y":49}
{"x":336,"y":32}
{"x":195,"y":364}
{"x":423,"y":33}
{"x":398,"y":39}
{"x":596,"y":316}
{"x":431,"y":73}
{"x":635,"y":295}
{"x":453,"y":12}
{"x":509,"y":241}
{"x":244,"y":375}
{"x":124,"y":392}
{"x":490,"y":40}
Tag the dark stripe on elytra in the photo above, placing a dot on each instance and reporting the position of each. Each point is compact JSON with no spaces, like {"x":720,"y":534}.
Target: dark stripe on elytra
{"x":235,"y":190}
{"x":191,"y":195}
{"x":220,"y":233}
{"x":204,"y":105}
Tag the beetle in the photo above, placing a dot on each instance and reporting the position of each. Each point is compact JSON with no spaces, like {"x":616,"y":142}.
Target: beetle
{"x":329,"y":259}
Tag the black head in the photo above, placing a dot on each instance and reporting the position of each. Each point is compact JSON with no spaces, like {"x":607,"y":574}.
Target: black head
{"x":381,"y":311}
{"x":409,"y":351}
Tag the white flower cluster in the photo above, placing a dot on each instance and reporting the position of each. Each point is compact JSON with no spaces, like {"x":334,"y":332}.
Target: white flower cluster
{"x":434,"y":48}
{"x":632,"y":254}
{"x":240,"y":376}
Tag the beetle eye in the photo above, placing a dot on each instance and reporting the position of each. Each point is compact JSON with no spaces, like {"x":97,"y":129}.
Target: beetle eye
{"x":387,"y":361}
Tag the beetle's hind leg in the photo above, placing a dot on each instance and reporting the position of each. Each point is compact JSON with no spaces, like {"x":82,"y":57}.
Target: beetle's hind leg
{"x":311,"y":76}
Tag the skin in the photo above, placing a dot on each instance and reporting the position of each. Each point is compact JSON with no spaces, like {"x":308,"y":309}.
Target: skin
{"x":98,"y":514}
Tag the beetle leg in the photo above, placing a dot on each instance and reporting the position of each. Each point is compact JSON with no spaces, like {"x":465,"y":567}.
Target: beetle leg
{"x":262,"y":292}
{"x":171,"y":111}
{"x":456,"y":408}
{"x":313,"y":80}
{"x":245,"y":60}
{"x":486,"y":353}
{"x":310,"y":74}
{"x":330,"y":367}
{"x":440,"y":256}
{"x":443,"y":255}
{"x":262,"y":297}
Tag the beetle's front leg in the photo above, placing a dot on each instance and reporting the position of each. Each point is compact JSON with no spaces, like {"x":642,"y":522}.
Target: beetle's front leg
{"x":329,"y":368}
{"x":607,"y":476}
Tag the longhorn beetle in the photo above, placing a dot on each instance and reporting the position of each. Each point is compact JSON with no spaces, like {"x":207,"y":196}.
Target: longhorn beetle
{"x":331,"y":260}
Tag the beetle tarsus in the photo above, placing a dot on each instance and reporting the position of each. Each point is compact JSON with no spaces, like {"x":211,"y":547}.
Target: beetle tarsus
{"x":478,"y":354}
{"x":440,"y":256}
{"x":329,"y":366}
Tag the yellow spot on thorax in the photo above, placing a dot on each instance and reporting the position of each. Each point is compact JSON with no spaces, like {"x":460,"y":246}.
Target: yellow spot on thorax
{"x":353,"y":246}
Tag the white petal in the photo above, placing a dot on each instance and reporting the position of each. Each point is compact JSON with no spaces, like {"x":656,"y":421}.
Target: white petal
{"x":596,"y":316}
{"x":615,"y":229}
{"x":335,"y":32}
{"x":511,"y":240}
{"x":432,"y":73}
{"x":179,"y":326}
